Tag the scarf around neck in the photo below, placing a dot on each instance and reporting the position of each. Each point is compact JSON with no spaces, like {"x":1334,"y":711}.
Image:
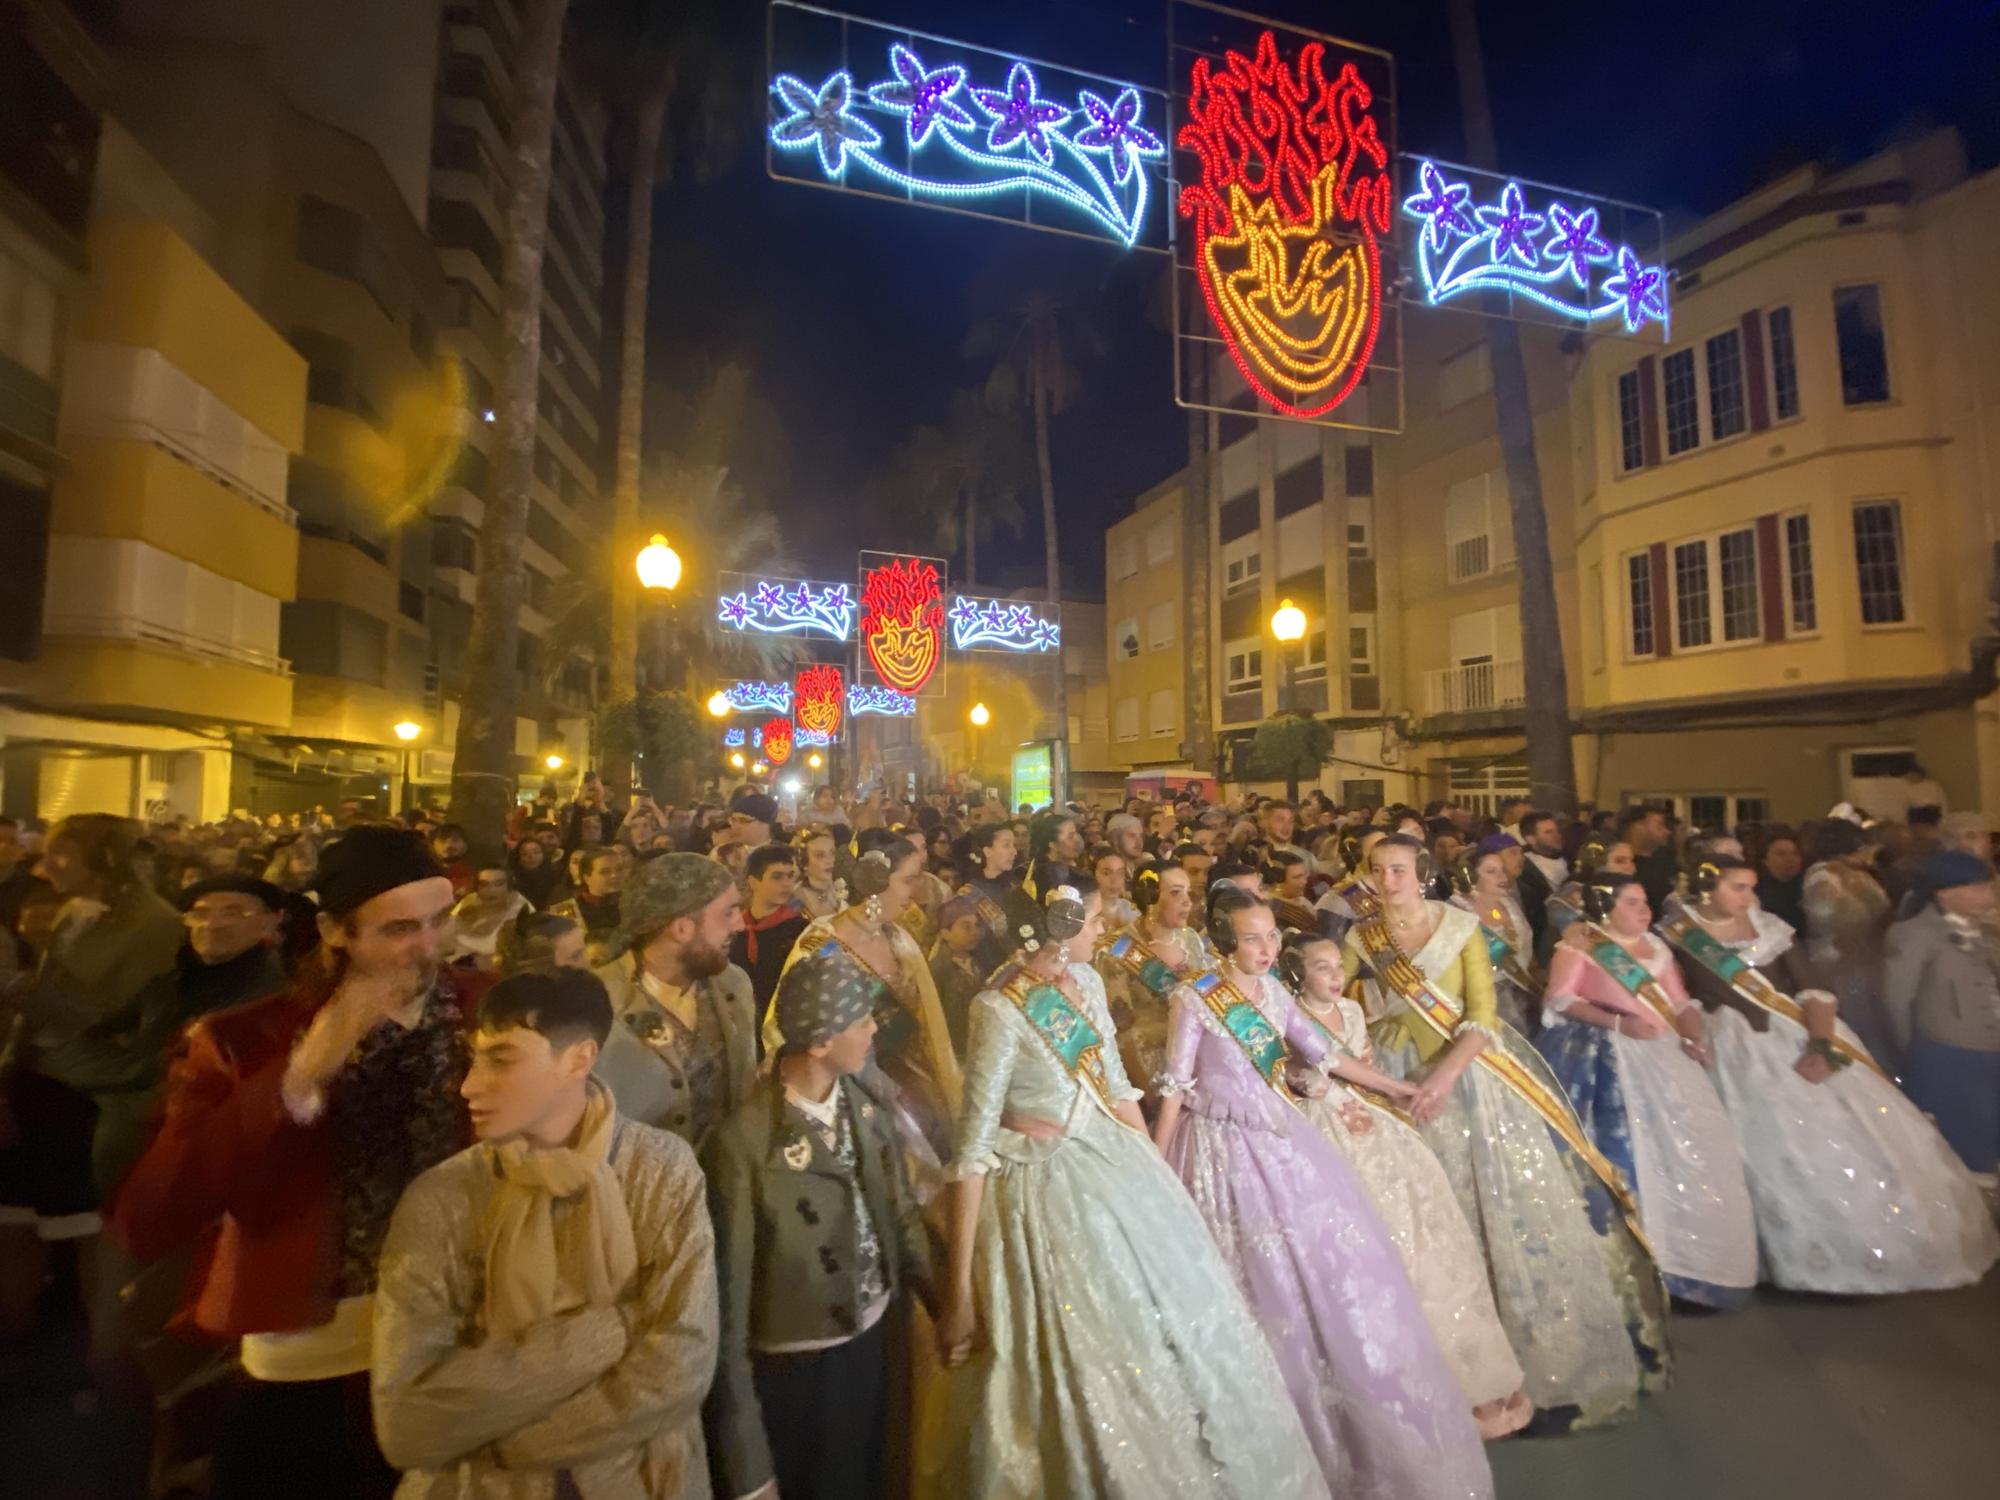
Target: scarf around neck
{"x":528,"y":1249}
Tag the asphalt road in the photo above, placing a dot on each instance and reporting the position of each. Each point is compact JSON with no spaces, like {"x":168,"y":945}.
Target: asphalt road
{"x":1800,"y":1398}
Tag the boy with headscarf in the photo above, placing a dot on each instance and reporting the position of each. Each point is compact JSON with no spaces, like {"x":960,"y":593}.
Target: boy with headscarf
{"x":545,"y":1317}
{"x":817,"y":1235}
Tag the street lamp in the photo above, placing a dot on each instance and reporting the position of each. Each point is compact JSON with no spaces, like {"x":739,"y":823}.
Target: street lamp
{"x":718,"y":704}
{"x":408,"y":730}
{"x":815,"y":760}
{"x":981,"y":716}
{"x":1288,"y":627}
{"x":659,"y":565}
{"x":553,"y":762}
{"x":759,"y":769}
{"x":736,"y":759}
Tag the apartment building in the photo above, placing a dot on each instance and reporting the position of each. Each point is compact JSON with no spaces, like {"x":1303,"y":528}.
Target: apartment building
{"x":1773,"y":535}
{"x":146,"y":437}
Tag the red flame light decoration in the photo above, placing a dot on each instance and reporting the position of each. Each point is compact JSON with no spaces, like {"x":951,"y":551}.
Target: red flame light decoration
{"x":902,"y":622}
{"x":778,"y":741}
{"x":819,"y":697}
{"x":1291,"y":167}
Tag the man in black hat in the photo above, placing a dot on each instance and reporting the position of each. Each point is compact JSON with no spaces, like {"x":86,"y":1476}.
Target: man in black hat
{"x":292,"y":1126}
{"x":234,"y":926}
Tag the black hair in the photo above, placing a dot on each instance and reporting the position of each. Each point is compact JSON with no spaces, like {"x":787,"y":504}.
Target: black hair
{"x":565,"y":1005}
{"x":1044,"y":827}
{"x":1530,"y":821}
{"x":1837,"y":837}
{"x":1224,"y":901}
{"x":443,"y":829}
{"x":1600,"y":893}
{"x":1225,"y":870}
{"x":589,"y":859}
{"x":766,"y":855}
{"x":528,"y":943}
{"x":1057,"y":920}
{"x":1632,"y":817}
{"x":981,"y":838}
{"x":1292,"y":956}
{"x":1189,"y":851}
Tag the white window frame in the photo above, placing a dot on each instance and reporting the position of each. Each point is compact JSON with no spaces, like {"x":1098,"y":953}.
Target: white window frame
{"x":1888,"y":343}
{"x":1681,"y":804}
{"x":1742,"y":383}
{"x":1637,"y":453}
{"x":1628,"y":609}
{"x":1312,"y":653}
{"x":1171,"y":698}
{"x":1242,"y":651}
{"x":1364,"y":626}
{"x":1242,"y":573}
{"x":1704,"y":425}
{"x":1778,"y":418}
{"x":1903,"y":576}
{"x":1496,"y":526}
{"x":1154,"y":613}
{"x":1793,"y":630}
{"x":1712,"y":541}
{"x":1118,"y":720}
{"x":1692,"y":354}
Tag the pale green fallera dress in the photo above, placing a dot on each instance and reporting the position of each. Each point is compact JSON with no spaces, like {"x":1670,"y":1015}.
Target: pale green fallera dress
{"x":1121,"y":1360}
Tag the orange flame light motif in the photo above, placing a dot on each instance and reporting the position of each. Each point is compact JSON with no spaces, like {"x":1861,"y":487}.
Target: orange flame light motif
{"x":1293,"y":196}
{"x":902,"y":622}
{"x":818,"y":699}
{"x":778,"y":741}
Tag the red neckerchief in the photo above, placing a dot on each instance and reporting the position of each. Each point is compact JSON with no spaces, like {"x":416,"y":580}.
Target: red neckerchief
{"x":754,"y":925}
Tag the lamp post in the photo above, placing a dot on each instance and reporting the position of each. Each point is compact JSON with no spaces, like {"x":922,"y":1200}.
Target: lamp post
{"x":659,"y":565}
{"x":1288,"y":628}
{"x":979,"y":717}
{"x":407,"y":731}
{"x":718,"y":704}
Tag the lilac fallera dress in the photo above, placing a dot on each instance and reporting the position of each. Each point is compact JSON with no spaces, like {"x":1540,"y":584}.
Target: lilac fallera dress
{"x":1320,"y":1272}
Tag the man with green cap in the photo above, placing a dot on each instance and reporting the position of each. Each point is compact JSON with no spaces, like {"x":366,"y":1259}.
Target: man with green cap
{"x":817,"y":1235}
{"x":683,"y":1053}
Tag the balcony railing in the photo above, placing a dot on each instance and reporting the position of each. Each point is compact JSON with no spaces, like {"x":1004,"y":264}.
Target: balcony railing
{"x":132,"y":628}
{"x":1475,"y":687}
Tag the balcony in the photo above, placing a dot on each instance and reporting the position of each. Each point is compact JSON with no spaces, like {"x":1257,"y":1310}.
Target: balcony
{"x":1475,"y":687}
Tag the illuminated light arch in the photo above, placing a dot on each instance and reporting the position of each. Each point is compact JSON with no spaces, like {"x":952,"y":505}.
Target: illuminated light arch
{"x":820,"y":694}
{"x":1001,"y":624}
{"x":1293,"y":201}
{"x":778,"y":741}
{"x":781,"y":606}
{"x":902,"y":622}
{"x":871,"y":698}
{"x":759,"y":697}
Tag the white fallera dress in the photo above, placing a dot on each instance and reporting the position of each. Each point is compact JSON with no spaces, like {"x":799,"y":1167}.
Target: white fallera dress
{"x":1855,"y":1191}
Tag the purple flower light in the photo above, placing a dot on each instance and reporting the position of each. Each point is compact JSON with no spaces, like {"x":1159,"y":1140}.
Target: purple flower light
{"x":1019,"y":115}
{"x":921,"y":95}
{"x":1442,"y":205}
{"x":822,"y":119}
{"x":1115,"y":129}
{"x":1513,"y":228}
{"x":770,"y":597}
{"x":1576,"y":242}
{"x":1640,"y":287}
{"x":734,"y":611}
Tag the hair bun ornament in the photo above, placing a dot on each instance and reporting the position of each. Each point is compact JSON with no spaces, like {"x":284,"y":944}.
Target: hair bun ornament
{"x":1066,"y":893}
{"x":1066,"y":915}
{"x":870,"y":876}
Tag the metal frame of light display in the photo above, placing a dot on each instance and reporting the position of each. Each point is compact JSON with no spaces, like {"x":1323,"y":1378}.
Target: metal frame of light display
{"x":819,"y":698}
{"x":1569,"y":258}
{"x":902,"y":620}
{"x":1285,"y":258}
{"x":979,"y":624}
{"x":918,"y":118}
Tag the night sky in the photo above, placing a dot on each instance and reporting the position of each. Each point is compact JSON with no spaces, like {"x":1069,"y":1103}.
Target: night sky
{"x":852,"y":312}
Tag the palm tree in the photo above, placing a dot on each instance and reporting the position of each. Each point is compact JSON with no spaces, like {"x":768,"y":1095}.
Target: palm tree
{"x":1033,"y":349}
{"x":483,"y":767}
{"x":964,"y":478}
{"x":1551,"y":761}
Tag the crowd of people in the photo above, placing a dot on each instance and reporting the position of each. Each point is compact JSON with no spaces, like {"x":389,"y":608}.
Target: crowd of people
{"x":845,"y":1148}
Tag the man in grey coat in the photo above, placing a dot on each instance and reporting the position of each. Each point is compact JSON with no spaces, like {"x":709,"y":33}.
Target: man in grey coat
{"x":1943,"y":1001}
{"x":682,"y":1054}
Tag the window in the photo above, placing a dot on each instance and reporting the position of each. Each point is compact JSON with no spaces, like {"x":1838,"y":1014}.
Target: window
{"x":1878,"y":559}
{"x":1478,"y":534}
{"x":1244,"y":661}
{"x":1160,"y":627}
{"x":1360,"y":528}
{"x":28,"y":318}
{"x":1631,"y":423}
{"x":1639,"y":598}
{"x":1683,"y":405}
{"x":1464,"y":375}
{"x":1311,"y":664}
{"x":1360,"y":470}
{"x":1124,"y":558}
{"x":1298,"y":488}
{"x":1784,"y":364}
{"x":1864,"y":351}
{"x":1692,"y":626}
{"x":1361,"y":650}
{"x":336,"y":240}
{"x":1801,"y":604}
{"x":1715,"y":584}
{"x":1727,"y":415}
{"x":1241,"y":573}
{"x":1736,"y":551}
{"x":1126,"y":719}
{"x":1159,"y":542}
{"x":1125,"y":635}
{"x":410,"y":600}
{"x":1237,"y":518}
{"x":1163,"y":711}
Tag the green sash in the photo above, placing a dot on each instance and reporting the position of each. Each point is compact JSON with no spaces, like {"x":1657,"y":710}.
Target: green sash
{"x":1065,"y":1030}
{"x":1629,"y":974}
{"x":1259,"y":1039}
{"x":1153,"y":972}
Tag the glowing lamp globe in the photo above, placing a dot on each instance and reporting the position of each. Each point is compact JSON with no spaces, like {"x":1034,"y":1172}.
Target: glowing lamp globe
{"x":553,"y":762}
{"x":408,"y":730}
{"x":1288,"y":622}
{"x":981,"y":716}
{"x":815,"y":760}
{"x":736,"y":760}
{"x":659,"y":564}
{"x":759,"y":769}
{"x":718,"y":704}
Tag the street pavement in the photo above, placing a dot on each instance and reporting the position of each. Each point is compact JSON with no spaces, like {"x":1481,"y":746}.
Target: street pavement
{"x":1800,"y":1398}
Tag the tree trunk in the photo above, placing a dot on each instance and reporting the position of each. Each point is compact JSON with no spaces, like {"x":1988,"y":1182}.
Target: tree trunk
{"x":1195,"y":506}
{"x":483,"y":768}
{"x":1551,"y":761}
{"x":1052,"y":566}
{"x":647,"y":123}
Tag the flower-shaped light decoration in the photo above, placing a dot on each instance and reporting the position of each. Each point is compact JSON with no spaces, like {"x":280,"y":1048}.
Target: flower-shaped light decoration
{"x":1021,"y":114}
{"x":1513,"y":228}
{"x":1441,"y":205}
{"x":922,"y":95}
{"x":819,"y":117}
{"x":1575,"y":242}
{"x":1641,"y":290}
{"x":1114,"y":129}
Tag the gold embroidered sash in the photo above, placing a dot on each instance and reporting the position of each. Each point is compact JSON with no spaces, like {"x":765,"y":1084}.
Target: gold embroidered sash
{"x":1246,"y":1026}
{"x":1064,"y":1030}
{"x":1393,"y":968}
{"x":1694,"y":942}
{"x":1628,"y":973}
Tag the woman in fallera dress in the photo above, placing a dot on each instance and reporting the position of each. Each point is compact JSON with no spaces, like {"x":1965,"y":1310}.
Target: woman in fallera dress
{"x":1141,"y":965}
{"x":1362,"y":1119}
{"x":1097,"y":1345}
{"x":1384,"y":1410}
{"x":1577,"y":1290}
{"x":1482,"y":886}
{"x":1854,"y":1189}
{"x":1628,"y":1044}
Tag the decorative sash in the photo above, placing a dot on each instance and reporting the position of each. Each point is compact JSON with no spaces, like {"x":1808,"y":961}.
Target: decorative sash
{"x":988,"y":909}
{"x":1690,"y":939}
{"x":1393,"y":968}
{"x":1361,"y":899}
{"x":1065,"y":1030}
{"x":1259,"y":1039}
{"x":1628,"y":973}
{"x":1507,"y":960}
{"x":1367,"y":1096}
{"x":1132,"y":952}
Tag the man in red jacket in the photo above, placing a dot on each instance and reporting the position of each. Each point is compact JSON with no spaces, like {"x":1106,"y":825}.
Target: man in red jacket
{"x":292,"y":1126}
